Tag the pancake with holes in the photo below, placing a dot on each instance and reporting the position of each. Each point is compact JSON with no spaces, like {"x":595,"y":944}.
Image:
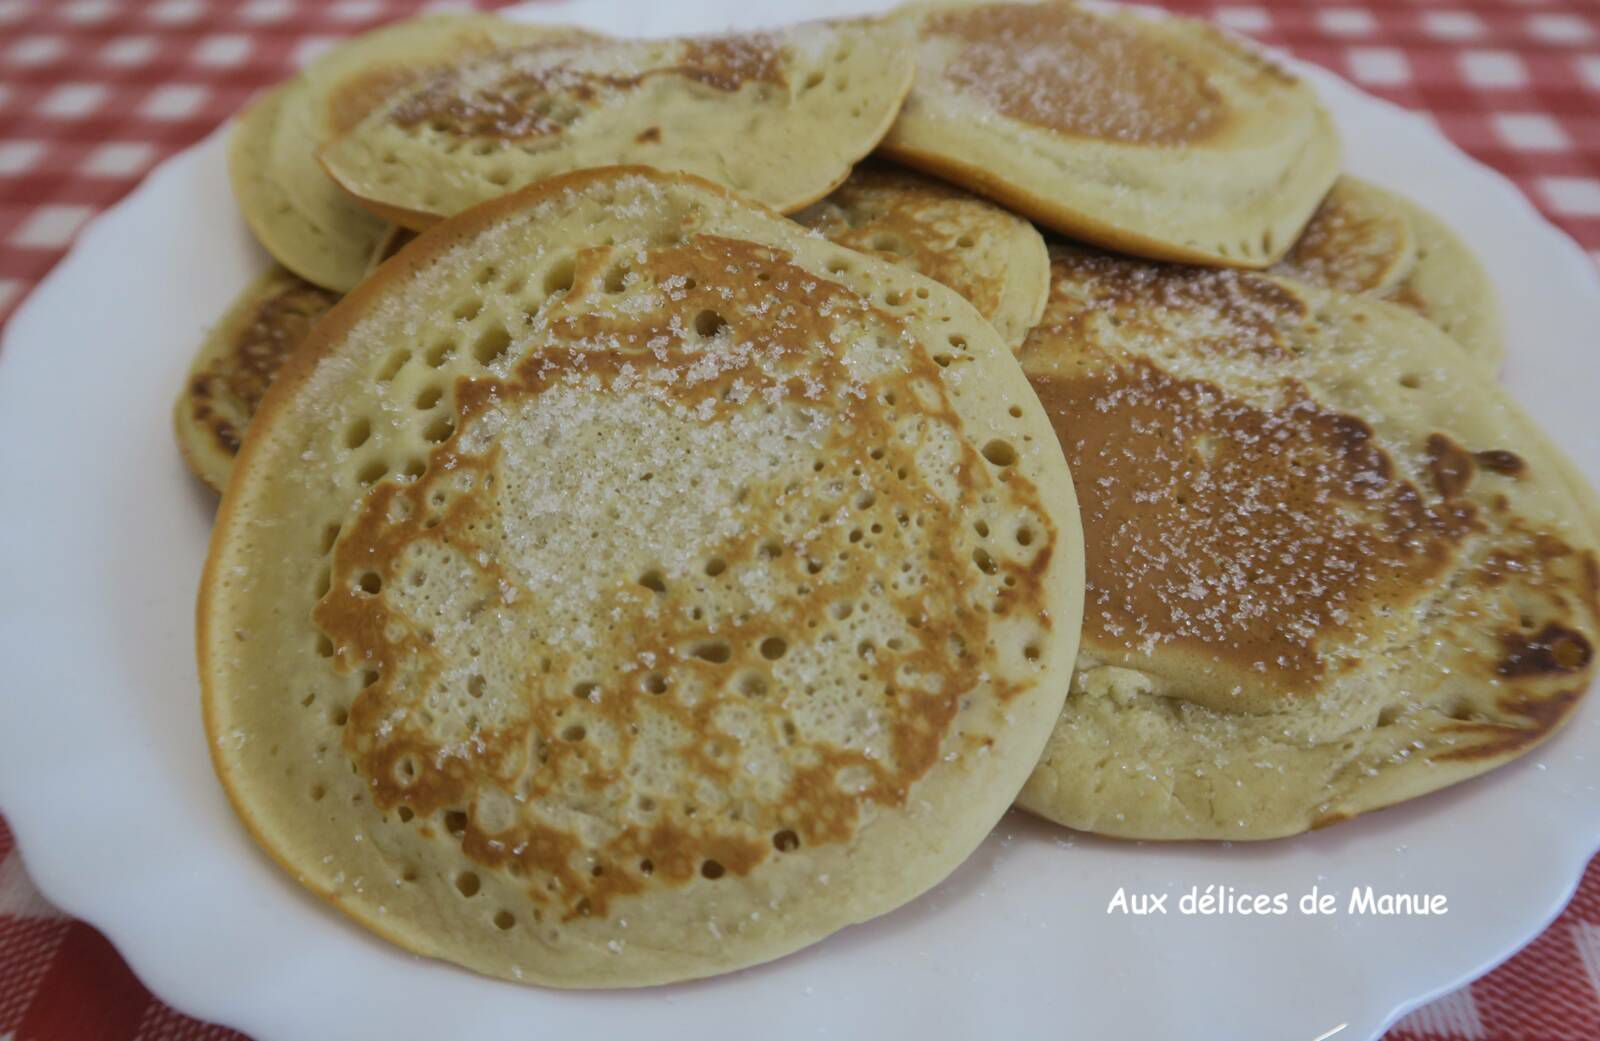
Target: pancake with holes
{"x":779,"y":116}
{"x":240,"y":357}
{"x":994,"y":258}
{"x":1364,"y":239}
{"x":1330,"y":567}
{"x":299,"y":215}
{"x":624,"y":585}
{"x":236,"y":363}
{"x":1160,"y":137}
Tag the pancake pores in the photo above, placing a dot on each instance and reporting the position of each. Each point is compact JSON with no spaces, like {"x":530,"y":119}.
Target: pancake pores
{"x":1160,"y":137}
{"x":617,"y":588}
{"x":300,"y":216}
{"x":241,"y":356}
{"x":1329,"y":567}
{"x":995,"y":259}
{"x":778,"y":116}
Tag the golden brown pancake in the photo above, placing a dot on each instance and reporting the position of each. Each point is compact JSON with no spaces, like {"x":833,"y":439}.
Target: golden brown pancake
{"x":237,"y":362}
{"x":995,"y":259}
{"x":240,"y":357}
{"x":1156,"y":136}
{"x":1330,"y":567}
{"x":779,"y":116}
{"x":300,"y":216}
{"x":1364,"y":239}
{"x":624,"y":585}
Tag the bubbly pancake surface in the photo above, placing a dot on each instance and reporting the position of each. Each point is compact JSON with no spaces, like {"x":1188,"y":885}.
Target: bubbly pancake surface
{"x":779,"y":116}
{"x":625,"y":586}
{"x":995,"y":259}
{"x":1160,"y":137}
{"x":1364,"y":239}
{"x":1329,"y":567}
{"x":237,"y":363}
{"x":1065,"y":70}
{"x":299,"y":215}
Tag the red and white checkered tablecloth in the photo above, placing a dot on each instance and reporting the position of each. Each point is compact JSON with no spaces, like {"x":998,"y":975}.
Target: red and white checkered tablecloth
{"x":93,"y":93}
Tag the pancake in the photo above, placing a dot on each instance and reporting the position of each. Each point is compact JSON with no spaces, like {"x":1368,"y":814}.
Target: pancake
{"x":237,"y":362}
{"x":327,"y":248}
{"x":299,"y":215}
{"x":241,"y":356}
{"x":995,"y":259}
{"x":624,"y":585}
{"x":1364,"y":239}
{"x":1330,"y":568}
{"x":1159,"y":137}
{"x":779,"y":116}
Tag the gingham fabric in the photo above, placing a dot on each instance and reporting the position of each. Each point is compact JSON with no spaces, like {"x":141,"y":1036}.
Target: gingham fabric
{"x":93,"y":93}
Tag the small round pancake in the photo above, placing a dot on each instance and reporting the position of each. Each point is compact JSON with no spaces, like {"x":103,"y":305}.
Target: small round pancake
{"x":995,"y":259}
{"x":352,"y":79}
{"x":327,"y":247}
{"x":237,"y":362}
{"x":779,"y":116}
{"x":298,"y":214}
{"x":1330,"y":567}
{"x":1159,"y":137}
{"x":625,"y":585}
{"x":1364,"y":239}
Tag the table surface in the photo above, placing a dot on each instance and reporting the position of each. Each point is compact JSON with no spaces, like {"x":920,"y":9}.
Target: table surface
{"x":93,"y":93}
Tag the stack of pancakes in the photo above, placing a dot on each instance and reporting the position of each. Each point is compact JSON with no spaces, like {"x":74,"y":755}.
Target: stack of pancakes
{"x":622,"y":581}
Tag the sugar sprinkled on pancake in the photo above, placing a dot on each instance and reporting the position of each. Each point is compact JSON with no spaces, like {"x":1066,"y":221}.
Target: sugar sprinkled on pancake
{"x":625,"y":585}
{"x":1329,"y":566}
{"x":995,"y":259}
{"x":779,"y":116}
{"x":241,"y":356}
{"x":1160,"y":137}
{"x":297,"y":213}
{"x":1364,"y":239}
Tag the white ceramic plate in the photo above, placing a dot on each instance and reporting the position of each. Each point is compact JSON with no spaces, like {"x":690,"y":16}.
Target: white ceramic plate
{"x":105,"y":779}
